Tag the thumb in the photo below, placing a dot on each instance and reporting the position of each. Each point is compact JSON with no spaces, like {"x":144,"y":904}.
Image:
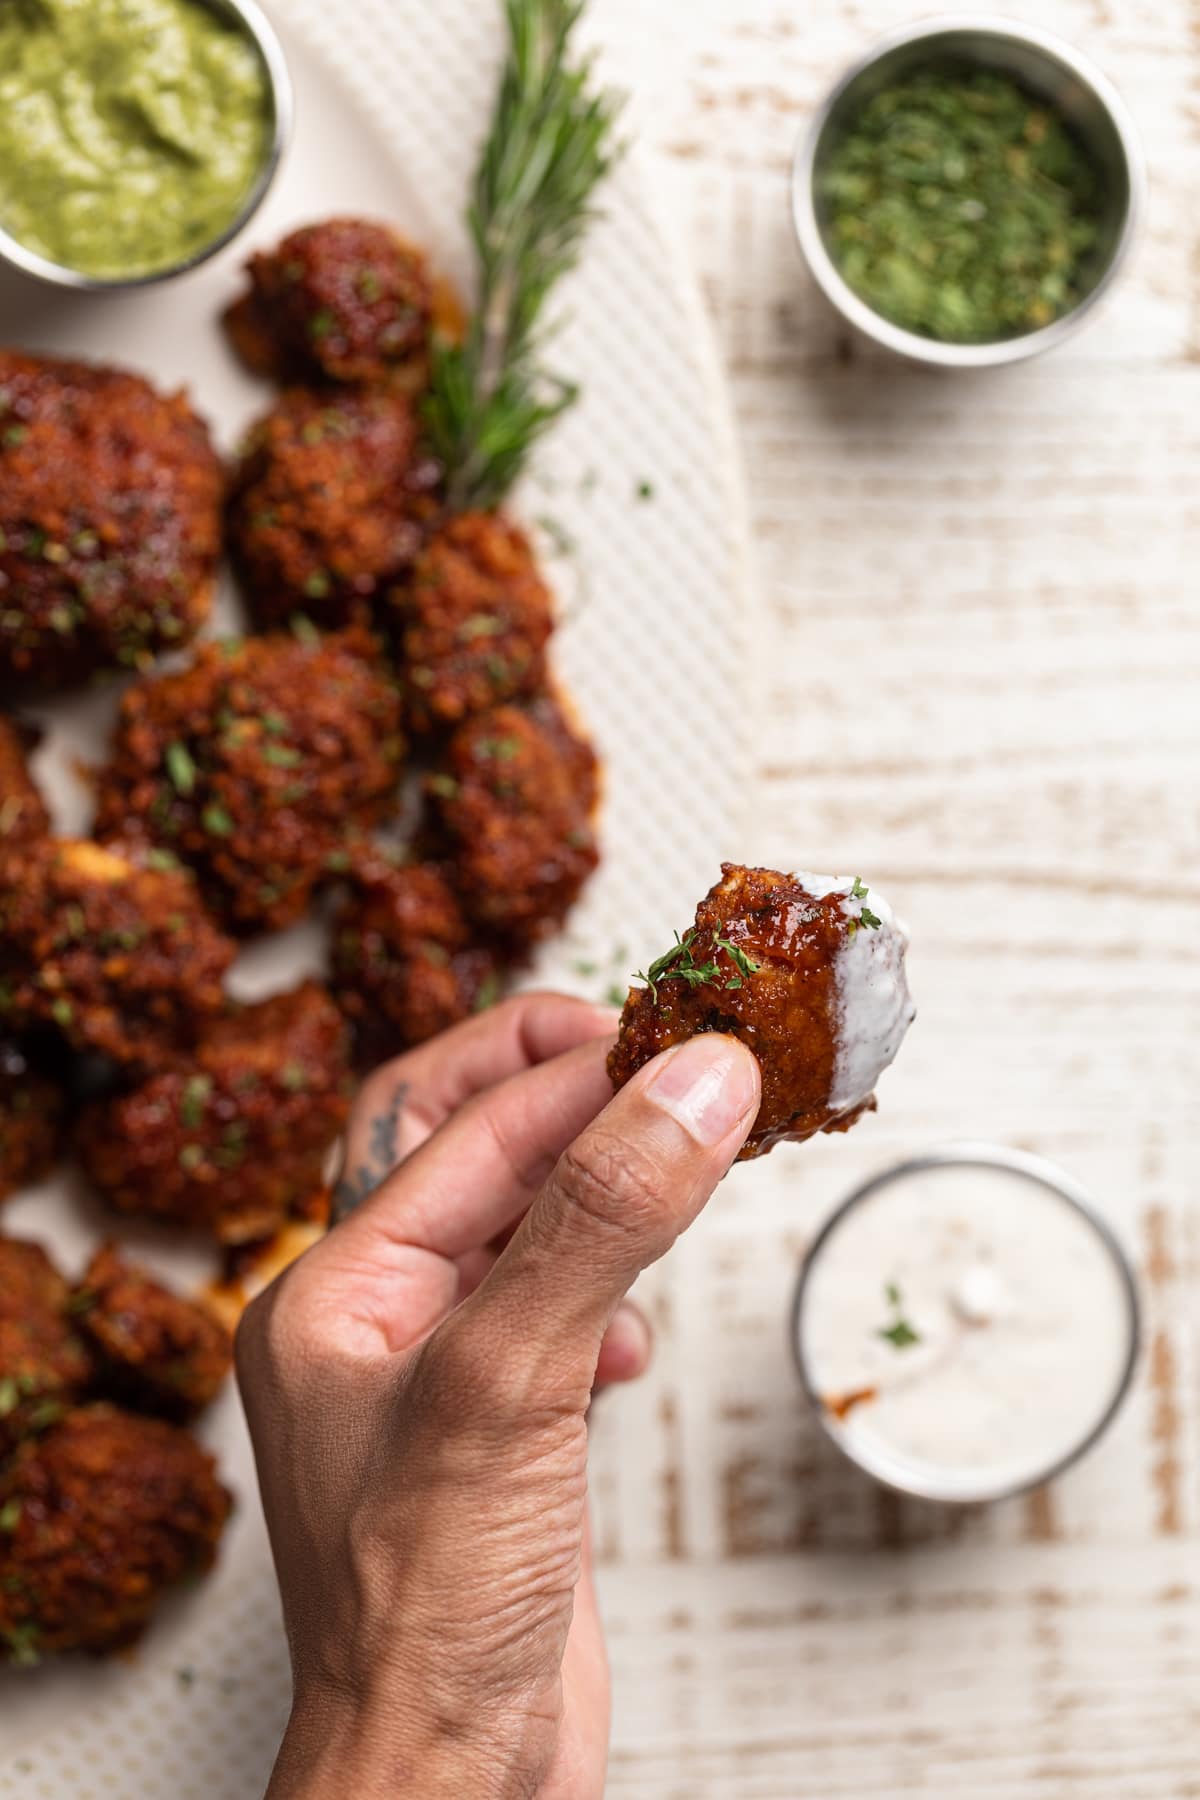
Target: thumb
{"x":615,"y":1203}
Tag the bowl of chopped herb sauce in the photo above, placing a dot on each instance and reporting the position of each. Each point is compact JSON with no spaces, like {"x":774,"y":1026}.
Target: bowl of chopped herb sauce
{"x":968,"y":191}
{"x":137,"y":137}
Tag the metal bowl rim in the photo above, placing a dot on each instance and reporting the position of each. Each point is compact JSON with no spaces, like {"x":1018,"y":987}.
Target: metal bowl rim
{"x":910,"y":343}
{"x":279,"y":83}
{"x":1021,"y":1163}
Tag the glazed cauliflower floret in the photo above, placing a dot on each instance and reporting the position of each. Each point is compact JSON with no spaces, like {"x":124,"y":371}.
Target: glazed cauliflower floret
{"x":153,"y":1348}
{"x":252,"y":765}
{"x":513,"y":808}
{"x":117,"y":957}
{"x":329,"y":503}
{"x":23,"y":812}
{"x":110,"y":521}
{"x":44,"y":1364}
{"x":404,"y":963}
{"x":31,"y":1115}
{"x":104,"y":1512}
{"x":472,"y":622}
{"x":342,"y":300}
{"x":234,"y":1139}
{"x":807,"y":970}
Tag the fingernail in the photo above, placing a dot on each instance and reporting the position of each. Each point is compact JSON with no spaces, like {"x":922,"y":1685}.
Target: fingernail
{"x":710,"y":1085}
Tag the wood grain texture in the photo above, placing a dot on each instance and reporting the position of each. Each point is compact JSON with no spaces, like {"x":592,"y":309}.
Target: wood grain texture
{"x":975,"y":677}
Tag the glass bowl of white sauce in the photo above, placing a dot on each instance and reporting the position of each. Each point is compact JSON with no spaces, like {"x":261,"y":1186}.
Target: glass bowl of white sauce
{"x":966,"y":1324}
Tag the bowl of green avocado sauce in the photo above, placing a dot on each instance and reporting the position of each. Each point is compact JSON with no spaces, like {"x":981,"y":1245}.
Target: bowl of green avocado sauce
{"x":136,"y":136}
{"x":968,"y":191}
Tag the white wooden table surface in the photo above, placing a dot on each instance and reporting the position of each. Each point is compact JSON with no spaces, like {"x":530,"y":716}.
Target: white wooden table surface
{"x":977,"y":681}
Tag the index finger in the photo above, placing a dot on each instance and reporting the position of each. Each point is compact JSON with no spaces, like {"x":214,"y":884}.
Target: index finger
{"x":405,"y":1101}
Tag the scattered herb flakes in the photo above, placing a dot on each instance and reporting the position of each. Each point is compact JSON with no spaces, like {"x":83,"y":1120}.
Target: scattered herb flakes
{"x":10,"y":1396}
{"x":282,"y":756}
{"x":489,"y":992}
{"x":294,"y":1077}
{"x":616,"y":995}
{"x":322,"y":324}
{"x":679,"y":964}
{"x":62,"y":1012}
{"x":318,"y":586}
{"x":444,"y":786}
{"x":645,"y":490}
{"x":10,"y":1516}
{"x":22,"y":1642}
{"x":82,"y":1301}
{"x":275,"y":725}
{"x":217,"y":821}
{"x":866,"y":917}
{"x":164,"y":862}
{"x":194,"y":1100}
{"x":304,"y":631}
{"x":499,"y":749}
{"x":180,"y":767}
{"x":899,"y":1332}
{"x":480,"y":625}
{"x":191,"y":1158}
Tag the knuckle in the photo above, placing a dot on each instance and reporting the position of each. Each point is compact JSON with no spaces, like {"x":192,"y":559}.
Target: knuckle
{"x":609,"y":1181}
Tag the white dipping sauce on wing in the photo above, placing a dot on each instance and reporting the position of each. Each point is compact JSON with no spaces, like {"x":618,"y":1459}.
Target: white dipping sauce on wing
{"x":966,"y":1328}
{"x":875,"y":1008}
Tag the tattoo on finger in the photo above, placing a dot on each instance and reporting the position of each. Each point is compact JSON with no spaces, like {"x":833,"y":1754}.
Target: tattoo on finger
{"x":383,"y":1155}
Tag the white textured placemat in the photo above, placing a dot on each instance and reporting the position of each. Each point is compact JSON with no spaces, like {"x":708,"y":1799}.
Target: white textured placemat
{"x":641,"y":482}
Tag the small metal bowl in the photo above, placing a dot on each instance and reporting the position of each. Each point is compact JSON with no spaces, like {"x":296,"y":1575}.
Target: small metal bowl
{"x":258,"y":28}
{"x":895,"y":1473}
{"x":1047,"y":67}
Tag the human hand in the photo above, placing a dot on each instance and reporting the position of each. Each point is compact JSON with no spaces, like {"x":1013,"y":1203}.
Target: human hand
{"x":418,"y":1386}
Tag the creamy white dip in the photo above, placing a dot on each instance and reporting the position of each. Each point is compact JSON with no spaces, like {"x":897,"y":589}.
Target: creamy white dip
{"x":875,"y":1008}
{"x":966,"y":1330}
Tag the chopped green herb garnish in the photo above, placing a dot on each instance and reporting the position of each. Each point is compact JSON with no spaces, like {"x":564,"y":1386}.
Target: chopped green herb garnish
{"x":444,"y":786}
{"x":216,"y":820}
{"x":22,"y":1641}
{"x":679,"y":964}
{"x":194,"y":1100}
{"x":645,"y":490}
{"x":180,"y":767}
{"x":294,"y":1077}
{"x":281,"y":756}
{"x":898,"y":1332}
{"x":960,"y":206}
{"x":10,"y":1516}
{"x":304,"y":631}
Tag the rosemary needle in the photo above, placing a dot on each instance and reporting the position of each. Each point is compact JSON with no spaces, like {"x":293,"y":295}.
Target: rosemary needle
{"x":550,"y":145}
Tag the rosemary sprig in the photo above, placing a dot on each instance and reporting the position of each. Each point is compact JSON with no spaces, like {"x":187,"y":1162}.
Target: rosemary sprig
{"x":550,"y":145}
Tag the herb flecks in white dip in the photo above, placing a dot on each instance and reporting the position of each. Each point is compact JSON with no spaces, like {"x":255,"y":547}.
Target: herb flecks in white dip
{"x":966,"y":1330}
{"x":875,"y":1008}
